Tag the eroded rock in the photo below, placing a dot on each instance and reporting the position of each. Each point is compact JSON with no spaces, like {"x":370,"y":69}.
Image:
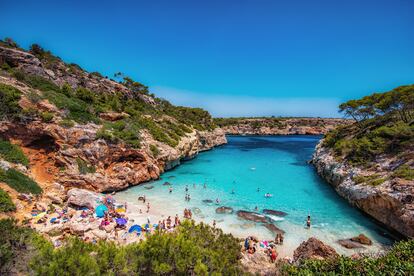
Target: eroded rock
{"x":252,"y":216}
{"x":313,"y":249}
{"x":224,"y":210}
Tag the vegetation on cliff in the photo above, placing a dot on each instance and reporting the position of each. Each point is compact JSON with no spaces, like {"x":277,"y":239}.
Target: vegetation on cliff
{"x":12,"y":153}
{"x":193,"y":248}
{"x":384,"y":127}
{"x":19,"y":181}
{"x":6,"y":204}
{"x":398,"y":261}
{"x":138,"y":108}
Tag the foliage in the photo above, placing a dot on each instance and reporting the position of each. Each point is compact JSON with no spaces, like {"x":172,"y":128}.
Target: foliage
{"x":404,"y":171}
{"x":20,"y":182}
{"x":46,"y":116}
{"x":12,"y":153}
{"x":66,"y":123}
{"x":373,"y":180}
{"x":6,"y":204}
{"x":84,"y":167}
{"x":33,"y":97}
{"x":384,"y":125}
{"x":192,"y":248}
{"x":154,"y":150}
{"x":14,"y":243}
{"x":9,"y":101}
{"x":398,"y":261}
{"x":271,"y":122}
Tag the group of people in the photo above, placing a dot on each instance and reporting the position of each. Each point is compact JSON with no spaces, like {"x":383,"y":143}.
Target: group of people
{"x":167,"y":224}
{"x":250,"y":246}
{"x":188,"y":214}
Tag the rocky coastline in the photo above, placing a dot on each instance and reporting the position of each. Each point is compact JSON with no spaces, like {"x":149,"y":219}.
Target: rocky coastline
{"x":280,"y":126}
{"x":390,"y":203}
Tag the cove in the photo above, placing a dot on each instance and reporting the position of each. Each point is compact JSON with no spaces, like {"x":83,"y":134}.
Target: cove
{"x":251,"y":166}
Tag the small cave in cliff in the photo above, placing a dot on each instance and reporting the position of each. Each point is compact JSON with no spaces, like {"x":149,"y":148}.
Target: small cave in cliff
{"x":44,"y":142}
{"x":130,"y":158}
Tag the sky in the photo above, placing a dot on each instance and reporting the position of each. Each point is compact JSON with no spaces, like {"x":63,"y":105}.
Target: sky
{"x":233,"y":58}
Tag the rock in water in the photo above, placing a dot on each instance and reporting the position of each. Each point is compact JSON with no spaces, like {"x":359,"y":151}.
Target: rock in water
{"x":274,"y":229}
{"x":313,"y":249}
{"x":166,"y":183}
{"x":207,"y":201}
{"x":224,"y":210}
{"x":247,"y":215}
{"x":83,"y":198}
{"x":362,"y":239}
{"x":274,"y":212}
{"x":148,"y":187}
{"x":349,"y":244}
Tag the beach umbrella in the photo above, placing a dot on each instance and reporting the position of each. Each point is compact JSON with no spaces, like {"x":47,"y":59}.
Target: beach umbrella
{"x":120,"y":210}
{"x":121,"y":221}
{"x":52,"y":220}
{"x":100,"y":210}
{"x":135,"y":227}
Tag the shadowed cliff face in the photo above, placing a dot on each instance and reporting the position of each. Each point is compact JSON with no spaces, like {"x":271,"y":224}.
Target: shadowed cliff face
{"x":390,"y":202}
{"x":279,"y":126}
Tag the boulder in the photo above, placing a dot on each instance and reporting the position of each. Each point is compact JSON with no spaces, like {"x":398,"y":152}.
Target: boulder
{"x":252,"y":216}
{"x":208,"y":201}
{"x":274,"y":229}
{"x":224,"y":210}
{"x":83,"y":198}
{"x":313,"y":249}
{"x":148,"y":187}
{"x":274,"y":212}
{"x":362,"y":239}
{"x":79,"y":228}
{"x":54,"y":198}
{"x":349,"y":244}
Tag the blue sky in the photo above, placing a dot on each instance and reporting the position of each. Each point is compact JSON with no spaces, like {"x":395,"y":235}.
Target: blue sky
{"x":234,"y":58}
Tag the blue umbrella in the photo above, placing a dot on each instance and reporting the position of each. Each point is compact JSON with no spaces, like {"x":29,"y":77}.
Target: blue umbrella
{"x":121,"y":221}
{"x":100,"y":210}
{"x":135,"y":227}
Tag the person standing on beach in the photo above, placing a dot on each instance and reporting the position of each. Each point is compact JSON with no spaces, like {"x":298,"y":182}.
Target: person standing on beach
{"x":148,"y":207}
{"x":214,"y":223}
{"x":176,"y":220}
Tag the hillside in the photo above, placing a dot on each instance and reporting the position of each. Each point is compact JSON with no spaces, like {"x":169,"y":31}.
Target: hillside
{"x":80,"y":129}
{"x":278,"y":125}
{"x":371,"y":162}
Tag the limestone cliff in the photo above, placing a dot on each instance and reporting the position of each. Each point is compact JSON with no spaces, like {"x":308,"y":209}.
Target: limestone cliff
{"x":390,"y":202}
{"x":278,"y":126}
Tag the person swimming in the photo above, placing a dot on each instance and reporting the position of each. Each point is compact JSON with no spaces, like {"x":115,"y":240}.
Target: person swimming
{"x":258,"y":189}
{"x":232,"y":191}
{"x":205,"y":186}
{"x":308,"y":222}
{"x":217,"y":201}
{"x":186,"y":188}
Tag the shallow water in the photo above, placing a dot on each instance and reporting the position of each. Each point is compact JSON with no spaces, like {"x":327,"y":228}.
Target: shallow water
{"x":271,"y":164}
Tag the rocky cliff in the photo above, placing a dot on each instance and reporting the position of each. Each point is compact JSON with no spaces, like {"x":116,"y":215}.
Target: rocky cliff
{"x":279,"y":126}
{"x":390,"y":202}
{"x":83,"y":130}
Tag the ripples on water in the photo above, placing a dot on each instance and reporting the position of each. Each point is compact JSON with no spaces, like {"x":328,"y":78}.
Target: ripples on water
{"x":272,"y":164}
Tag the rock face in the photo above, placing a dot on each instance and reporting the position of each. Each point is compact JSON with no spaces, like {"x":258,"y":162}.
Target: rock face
{"x":350,"y":244}
{"x":282,"y":126}
{"x":362,"y":239}
{"x":83,"y":198}
{"x":274,"y":212}
{"x":224,"y":210}
{"x":391,"y":202}
{"x":313,"y":249}
{"x":252,"y":216}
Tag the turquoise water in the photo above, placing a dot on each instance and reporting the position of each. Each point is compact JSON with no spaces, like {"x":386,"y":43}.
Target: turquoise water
{"x":273,"y":164}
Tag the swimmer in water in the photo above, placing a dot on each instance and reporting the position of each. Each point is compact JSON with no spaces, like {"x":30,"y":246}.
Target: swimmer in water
{"x":205,"y":186}
{"x":217,"y":201}
{"x":171,"y":189}
{"x":186,"y":188}
{"x":258,"y":189}
{"x":256,"y":208}
{"x":308,"y":222}
{"x":232,"y":191}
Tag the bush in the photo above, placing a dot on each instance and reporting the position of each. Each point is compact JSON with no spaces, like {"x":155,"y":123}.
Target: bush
{"x":404,"y":171}
{"x":12,"y":153}
{"x":46,"y":116}
{"x":66,"y":123}
{"x":192,"y":248}
{"x":154,"y":150}
{"x":398,"y":261}
{"x":20,"y":182}
{"x":33,"y":97}
{"x":6,"y":204}
{"x":9,"y":101}
{"x":84,"y":167}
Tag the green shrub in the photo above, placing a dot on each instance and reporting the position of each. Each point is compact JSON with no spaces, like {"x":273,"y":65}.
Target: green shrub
{"x":46,"y":116}
{"x":33,"y":97}
{"x":6,"y":204}
{"x":9,"y":101}
{"x":154,"y":150}
{"x":14,"y":247}
{"x":12,"y":153}
{"x":373,"y":180}
{"x":398,"y":261}
{"x":84,"y":167}
{"x":20,"y":182}
{"x":405,"y":172}
{"x":66,"y":123}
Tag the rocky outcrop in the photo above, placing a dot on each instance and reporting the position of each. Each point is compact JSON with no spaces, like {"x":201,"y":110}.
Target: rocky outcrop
{"x":274,"y":229}
{"x":224,"y":210}
{"x":281,"y":126}
{"x":313,"y":249}
{"x":274,"y":212}
{"x":252,"y":216}
{"x":391,"y":202}
{"x":83,"y":198}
